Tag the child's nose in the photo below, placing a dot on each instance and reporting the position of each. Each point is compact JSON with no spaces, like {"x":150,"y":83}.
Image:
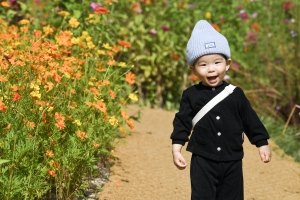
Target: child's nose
{"x":211,"y":68}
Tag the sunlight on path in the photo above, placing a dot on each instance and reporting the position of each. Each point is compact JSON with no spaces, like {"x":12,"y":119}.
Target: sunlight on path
{"x":144,"y":168}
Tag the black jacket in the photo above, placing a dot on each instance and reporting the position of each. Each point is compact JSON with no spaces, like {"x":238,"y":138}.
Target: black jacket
{"x":219,"y":135}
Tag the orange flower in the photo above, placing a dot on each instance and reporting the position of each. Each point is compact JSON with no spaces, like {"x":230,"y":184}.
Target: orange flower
{"x":89,"y":103}
{"x":115,"y":49}
{"x":30,"y":125}
{"x":37,"y":33}
{"x":3,"y":78}
{"x":130,"y":78}
{"x":106,"y":82}
{"x":54,"y":164}
{"x":112,"y":94}
{"x":57,"y":77}
{"x":101,"y":10}
{"x":58,"y":116}
{"x":100,"y":106}
{"x":95,"y":91}
{"x":51,"y":172}
{"x":96,"y":145}
{"x":49,"y":153}
{"x":130,"y":124}
{"x":124,"y":114}
{"x":193,"y":77}
{"x":122,"y":130}
{"x":136,"y":7}
{"x":111,"y":62}
{"x":14,"y":88}
{"x":16,"y":97}
{"x":82,"y":135}
{"x":60,"y":124}
{"x":124,"y":44}
{"x":255,"y":27}
{"x":175,"y":56}
{"x":3,"y":107}
{"x":216,"y":27}
{"x":49,"y":86}
{"x":5,"y":4}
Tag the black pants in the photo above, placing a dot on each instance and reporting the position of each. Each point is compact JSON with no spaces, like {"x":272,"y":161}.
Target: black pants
{"x":213,"y":180}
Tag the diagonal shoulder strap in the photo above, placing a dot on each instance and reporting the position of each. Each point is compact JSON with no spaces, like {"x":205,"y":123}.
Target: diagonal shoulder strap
{"x":222,"y":95}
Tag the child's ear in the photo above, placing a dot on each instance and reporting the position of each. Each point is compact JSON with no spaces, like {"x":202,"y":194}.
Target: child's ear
{"x":193,"y":69}
{"x":228,"y":62}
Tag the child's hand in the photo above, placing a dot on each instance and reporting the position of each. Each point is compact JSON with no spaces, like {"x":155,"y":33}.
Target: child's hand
{"x":179,"y":161}
{"x":265,"y":153}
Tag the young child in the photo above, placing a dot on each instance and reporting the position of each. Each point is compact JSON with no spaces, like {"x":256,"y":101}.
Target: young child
{"x":216,"y":140}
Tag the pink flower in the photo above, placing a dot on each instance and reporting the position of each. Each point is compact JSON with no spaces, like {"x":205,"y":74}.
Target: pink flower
{"x":243,"y":15}
{"x":165,"y":28}
{"x":153,"y":32}
{"x":252,"y":37}
{"x":254,"y":15}
{"x":95,"y":5}
{"x":236,"y":65}
{"x":222,"y":20}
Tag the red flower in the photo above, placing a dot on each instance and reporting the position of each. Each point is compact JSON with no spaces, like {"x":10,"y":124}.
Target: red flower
{"x":287,"y":6}
{"x":124,"y":44}
{"x":3,"y":107}
{"x":16,"y":97}
{"x":101,"y":10}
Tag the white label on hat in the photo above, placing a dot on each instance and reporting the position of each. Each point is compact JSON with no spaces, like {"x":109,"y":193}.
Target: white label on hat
{"x":210,"y":45}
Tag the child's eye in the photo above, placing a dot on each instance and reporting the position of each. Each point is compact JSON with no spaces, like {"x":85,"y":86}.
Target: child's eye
{"x":217,"y":62}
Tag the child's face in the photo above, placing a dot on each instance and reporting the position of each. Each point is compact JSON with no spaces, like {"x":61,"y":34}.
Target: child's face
{"x":211,"y":69}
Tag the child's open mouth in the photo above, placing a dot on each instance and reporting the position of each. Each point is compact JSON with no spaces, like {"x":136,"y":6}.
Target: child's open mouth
{"x":212,"y":79}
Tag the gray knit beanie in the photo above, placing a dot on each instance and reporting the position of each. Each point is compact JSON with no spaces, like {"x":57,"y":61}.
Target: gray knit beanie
{"x":205,"y":40}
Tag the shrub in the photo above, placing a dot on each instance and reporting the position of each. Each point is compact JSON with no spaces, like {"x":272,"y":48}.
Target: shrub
{"x":62,"y":103}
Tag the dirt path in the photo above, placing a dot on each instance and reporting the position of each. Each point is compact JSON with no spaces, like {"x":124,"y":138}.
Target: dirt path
{"x":144,"y":168}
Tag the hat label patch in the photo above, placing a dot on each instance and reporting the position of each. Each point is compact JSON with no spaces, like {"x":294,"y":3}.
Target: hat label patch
{"x":210,"y":45}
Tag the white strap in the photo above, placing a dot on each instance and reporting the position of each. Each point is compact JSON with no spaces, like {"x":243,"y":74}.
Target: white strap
{"x":222,"y":95}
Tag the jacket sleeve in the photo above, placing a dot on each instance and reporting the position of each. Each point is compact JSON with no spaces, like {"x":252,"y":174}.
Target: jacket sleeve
{"x":182,"y":123}
{"x":253,"y":127}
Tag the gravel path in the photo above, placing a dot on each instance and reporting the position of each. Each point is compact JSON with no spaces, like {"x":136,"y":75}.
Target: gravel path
{"x":144,"y":169}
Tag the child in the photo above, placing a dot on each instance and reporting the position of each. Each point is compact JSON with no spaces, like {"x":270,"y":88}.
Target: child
{"x":216,"y":140}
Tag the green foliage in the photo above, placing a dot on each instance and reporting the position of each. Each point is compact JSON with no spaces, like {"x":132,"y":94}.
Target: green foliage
{"x":63,"y":95}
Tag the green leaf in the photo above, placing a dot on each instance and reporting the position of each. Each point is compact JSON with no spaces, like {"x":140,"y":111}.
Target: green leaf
{"x":77,"y":13}
{"x":3,"y":161}
{"x":23,"y":6}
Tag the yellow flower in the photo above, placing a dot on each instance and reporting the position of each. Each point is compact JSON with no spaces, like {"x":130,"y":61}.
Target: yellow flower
{"x":50,"y":109}
{"x":88,"y":38}
{"x":74,"y":23}
{"x":90,"y":16}
{"x":91,"y":83}
{"x":133,"y":97}
{"x":35,"y":94}
{"x":64,"y":13}
{"x":101,"y":52}
{"x":47,"y":29}
{"x":34,"y":86}
{"x":85,"y":34}
{"x":113,"y":121}
{"x":208,"y":15}
{"x":91,"y":45}
{"x":77,"y":122}
{"x":122,"y":64}
{"x":24,"y":22}
{"x":106,"y":46}
{"x":75,"y":40}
